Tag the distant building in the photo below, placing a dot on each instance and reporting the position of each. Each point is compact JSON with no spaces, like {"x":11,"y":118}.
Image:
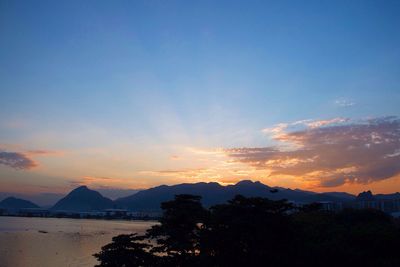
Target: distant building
{"x":330,"y":206}
{"x":34,"y":212}
{"x":145,"y":214}
{"x":120,"y":213}
{"x":385,"y":205}
{"x":395,"y":214}
{"x":366,"y":200}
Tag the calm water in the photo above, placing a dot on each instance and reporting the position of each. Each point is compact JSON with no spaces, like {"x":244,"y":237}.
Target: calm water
{"x":68,"y":242}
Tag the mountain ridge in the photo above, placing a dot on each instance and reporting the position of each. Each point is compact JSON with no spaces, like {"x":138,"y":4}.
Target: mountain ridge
{"x":83,"y":199}
{"x":213,"y":193}
{"x":17,"y":203}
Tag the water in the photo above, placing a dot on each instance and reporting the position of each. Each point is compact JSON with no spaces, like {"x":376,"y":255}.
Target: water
{"x":50,"y":242}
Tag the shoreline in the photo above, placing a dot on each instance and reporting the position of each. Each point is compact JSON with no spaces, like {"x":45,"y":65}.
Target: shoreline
{"x":137,"y":219}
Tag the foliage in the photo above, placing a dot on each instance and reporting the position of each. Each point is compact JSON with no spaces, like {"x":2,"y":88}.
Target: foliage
{"x":125,"y":251}
{"x":247,"y":231}
{"x":177,"y":235}
{"x":258,"y":232}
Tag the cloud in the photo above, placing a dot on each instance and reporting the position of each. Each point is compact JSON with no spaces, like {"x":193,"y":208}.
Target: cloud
{"x":331,"y":152}
{"x":320,"y":123}
{"x":43,"y":152}
{"x":279,"y":130}
{"x":92,"y":180}
{"x":18,"y":161}
{"x":175,"y":157}
{"x":23,"y":160}
{"x":188,"y":173}
{"x":342,"y":102}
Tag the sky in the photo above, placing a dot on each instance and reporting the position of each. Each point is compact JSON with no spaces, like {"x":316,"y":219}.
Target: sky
{"x":122,"y":95}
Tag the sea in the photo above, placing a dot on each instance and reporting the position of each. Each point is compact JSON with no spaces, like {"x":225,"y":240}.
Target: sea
{"x":51,"y":242}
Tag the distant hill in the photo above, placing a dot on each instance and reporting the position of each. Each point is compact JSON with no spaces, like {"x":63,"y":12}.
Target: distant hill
{"x":17,"y":203}
{"x":83,"y":199}
{"x":366,"y":195}
{"x":114,"y":193}
{"x":214,"y":193}
{"x":369,"y":196}
{"x":327,"y":196}
{"x":43,"y":200}
{"x":388,"y":196}
{"x":342,"y":195}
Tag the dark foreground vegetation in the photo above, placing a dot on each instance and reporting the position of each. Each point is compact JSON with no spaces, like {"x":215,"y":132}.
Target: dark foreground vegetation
{"x":258,"y":232}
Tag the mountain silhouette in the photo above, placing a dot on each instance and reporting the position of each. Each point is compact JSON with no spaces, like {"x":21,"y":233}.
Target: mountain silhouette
{"x":387,"y":196}
{"x":17,"y":203}
{"x":214,"y":193}
{"x":369,"y":196}
{"x":366,"y":195}
{"x":83,"y":199}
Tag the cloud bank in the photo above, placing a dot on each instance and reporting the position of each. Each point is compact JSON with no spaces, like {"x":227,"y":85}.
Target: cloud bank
{"x":23,"y":160}
{"x":16,"y":160}
{"x":331,"y":152}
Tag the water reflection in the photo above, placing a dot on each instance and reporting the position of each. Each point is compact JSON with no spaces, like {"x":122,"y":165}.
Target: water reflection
{"x":42,"y":242}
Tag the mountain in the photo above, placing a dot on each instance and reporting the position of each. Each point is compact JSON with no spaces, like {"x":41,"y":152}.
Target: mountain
{"x":214,"y":193}
{"x":151,"y":199}
{"x":388,"y":196}
{"x":366,"y":195}
{"x":114,"y":193}
{"x":43,"y":200}
{"x":369,"y":196}
{"x":83,"y":199}
{"x":342,"y":195}
{"x":328,"y":196}
{"x":16,"y":203}
{"x":317,"y":197}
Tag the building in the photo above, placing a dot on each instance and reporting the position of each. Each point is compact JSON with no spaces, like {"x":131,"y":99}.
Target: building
{"x":34,"y":212}
{"x":116,"y":213}
{"x":331,"y":206}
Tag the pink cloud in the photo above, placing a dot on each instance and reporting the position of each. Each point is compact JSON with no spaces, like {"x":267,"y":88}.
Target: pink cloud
{"x":43,"y":152}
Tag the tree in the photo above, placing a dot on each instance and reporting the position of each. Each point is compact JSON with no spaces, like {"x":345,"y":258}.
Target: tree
{"x":177,"y":235}
{"x":125,"y":251}
{"x":356,"y":237}
{"x":247,"y":232}
{"x":257,"y":232}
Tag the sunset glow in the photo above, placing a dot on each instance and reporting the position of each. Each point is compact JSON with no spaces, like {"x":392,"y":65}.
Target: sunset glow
{"x":147,"y":93}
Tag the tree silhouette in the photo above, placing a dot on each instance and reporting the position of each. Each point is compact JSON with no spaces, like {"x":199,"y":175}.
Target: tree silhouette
{"x":247,"y":232}
{"x":177,"y":235}
{"x":258,"y":232}
{"x":126,"y":251}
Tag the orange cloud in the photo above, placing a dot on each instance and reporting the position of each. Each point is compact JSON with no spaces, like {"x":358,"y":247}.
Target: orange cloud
{"x":99,"y":181}
{"x":332,"y":152}
{"x":189,"y":173}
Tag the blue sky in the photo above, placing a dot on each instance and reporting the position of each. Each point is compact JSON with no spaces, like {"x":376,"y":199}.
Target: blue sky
{"x":150,"y":78}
